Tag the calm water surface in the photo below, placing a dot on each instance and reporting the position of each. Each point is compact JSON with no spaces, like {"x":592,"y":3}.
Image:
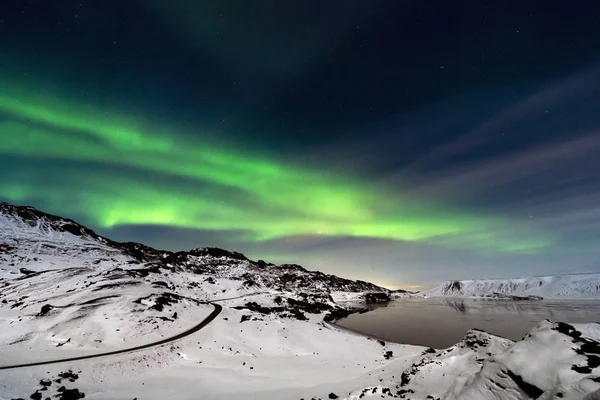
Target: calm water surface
{"x":442,"y":322}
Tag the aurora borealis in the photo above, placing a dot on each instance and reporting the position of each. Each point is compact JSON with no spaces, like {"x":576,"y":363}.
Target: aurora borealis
{"x":148,"y":128}
{"x":266,"y":199}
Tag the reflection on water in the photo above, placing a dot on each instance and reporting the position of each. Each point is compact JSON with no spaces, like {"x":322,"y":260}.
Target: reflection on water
{"x":441,"y":322}
{"x":458,"y":305}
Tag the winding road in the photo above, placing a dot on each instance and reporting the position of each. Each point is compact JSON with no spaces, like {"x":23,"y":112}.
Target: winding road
{"x":181,"y":335}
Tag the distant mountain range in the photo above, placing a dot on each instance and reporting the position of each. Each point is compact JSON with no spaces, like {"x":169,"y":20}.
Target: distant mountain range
{"x":572,"y":286}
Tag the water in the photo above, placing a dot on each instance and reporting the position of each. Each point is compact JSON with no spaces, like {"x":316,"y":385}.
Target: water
{"x":442,"y":322}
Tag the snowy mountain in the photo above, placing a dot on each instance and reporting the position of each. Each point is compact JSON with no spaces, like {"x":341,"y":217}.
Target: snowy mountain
{"x":574,"y":286}
{"x":33,"y":240}
{"x":81,"y":315}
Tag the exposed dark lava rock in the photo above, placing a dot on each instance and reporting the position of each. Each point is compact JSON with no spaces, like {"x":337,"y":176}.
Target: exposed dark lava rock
{"x":36,"y":396}
{"x":17,"y":304}
{"x":249,"y":283}
{"x":46,"y":308}
{"x":588,"y":348}
{"x":294,"y":309}
{"x":582,"y":369}
{"x":531,"y":390}
{"x":295,"y":313}
{"x":70,"y":394}
{"x":378,"y":297}
{"x":292,"y":267}
{"x":388,"y":354}
{"x":409,"y":373}
{"x":161,"y":300}
{"x":254,"y":306}
{"x":340,"y":313}
{"x":245,"y":318}
{"x":70,"y":375}
{"x":333,"y":396}
{"x":138,"y":251}
{"x":313,"y":308}
{"x":26,"y":271}
{"x":473,"y":341}
{"x":217,"y":253}
{"x":403,"y":392}
{"x":6,"y":248}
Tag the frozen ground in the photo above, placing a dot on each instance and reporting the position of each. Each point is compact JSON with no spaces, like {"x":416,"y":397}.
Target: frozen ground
{"x":66,"y":292}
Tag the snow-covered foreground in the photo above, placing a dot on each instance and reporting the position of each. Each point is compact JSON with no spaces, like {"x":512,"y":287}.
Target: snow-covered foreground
{"x":572,"y":286}
{"x":66,"y":292}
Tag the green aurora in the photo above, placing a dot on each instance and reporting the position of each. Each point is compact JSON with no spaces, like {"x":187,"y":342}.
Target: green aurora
{"x":159,"y":176}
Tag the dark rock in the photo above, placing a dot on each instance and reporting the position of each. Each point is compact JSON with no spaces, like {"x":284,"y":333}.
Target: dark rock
{"x":26,"y":271}
{"x":6,"y":248}
{"x":340,"y":313}
{"x":71,"y":394}
{"x":245,"y":318}
{"x":46,"y":308}
{"x":218,"y":253}
{"x":379,"y":297}
{"x":313,"y":308}
{"x":70,"y":375}
{"x":531,"y":390}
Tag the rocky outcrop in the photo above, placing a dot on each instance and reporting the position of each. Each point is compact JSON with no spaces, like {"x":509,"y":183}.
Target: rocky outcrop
{"x":377,"y":297}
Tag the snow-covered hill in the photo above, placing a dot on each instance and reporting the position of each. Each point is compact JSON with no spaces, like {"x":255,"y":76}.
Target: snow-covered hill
{"x":65,"y":292}
{"x":553,"y":361}
{"x":573,"y":286}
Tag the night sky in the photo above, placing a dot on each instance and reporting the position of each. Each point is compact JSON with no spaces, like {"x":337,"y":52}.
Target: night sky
{"x":400,"y":142}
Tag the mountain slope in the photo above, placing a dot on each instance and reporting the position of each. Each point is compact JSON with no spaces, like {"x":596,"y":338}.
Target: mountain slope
{"x":34,"y":240}
{"x":574,"y":286}
{"x":67,"y":292}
